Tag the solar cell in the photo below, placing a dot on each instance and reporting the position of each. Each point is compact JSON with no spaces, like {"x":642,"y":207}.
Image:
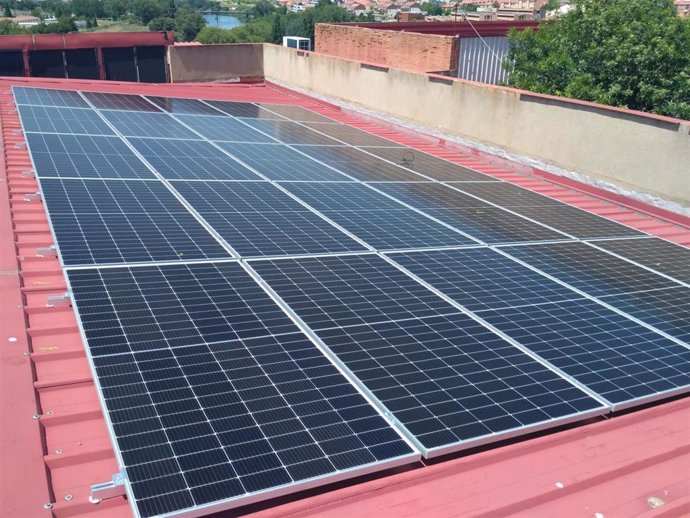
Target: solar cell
{"x":290,"y":132}
{"x":48,"y":97}
{"x":146,"y":124}
{"x":83,"y":156}
{"x":359,"y":165}
{"x":223,"y":128}
{"x":480,"y":278}
{"x":658,"y":254}
{"x":296,"y":113}
{"x":183,"y":106}
{"x":279,"y":162}
{"x":428,"y":165}
{"x":576,"y":222}
{"x":106,"y":101}
{"x":115,"y":221}
{"x":431,"y":196}
{"x":258,"y":219}
{"x":248,"y":110}
{"x":507,"y":194}
{"x":617,"y":358}
{"x":589,"y":269}
{"x":450,"y":381}
{"x":190,"y":160}
{"x":215,"y":397}
{"x":48,"y":119}
{"x":379,"y":221}
{"x":350,"y":135}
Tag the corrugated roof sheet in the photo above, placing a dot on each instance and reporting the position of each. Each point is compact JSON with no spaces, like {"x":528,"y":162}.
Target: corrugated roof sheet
{"x":619,"y":467}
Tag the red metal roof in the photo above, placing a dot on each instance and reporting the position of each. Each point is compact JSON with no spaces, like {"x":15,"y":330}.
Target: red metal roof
{"x":617,"y":467}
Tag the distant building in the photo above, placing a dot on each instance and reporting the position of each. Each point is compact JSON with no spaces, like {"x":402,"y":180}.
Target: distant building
{"x":24,"y":21}
{"x":683,"y":7}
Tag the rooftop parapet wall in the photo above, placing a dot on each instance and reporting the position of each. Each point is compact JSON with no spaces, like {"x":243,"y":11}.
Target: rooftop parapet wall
{"x":404,"y":50}
{"x":634,"y":151}
{"x":216,"y":63}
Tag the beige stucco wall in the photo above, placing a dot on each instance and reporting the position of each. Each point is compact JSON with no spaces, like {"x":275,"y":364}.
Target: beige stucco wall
{"x":632,"y":152}
{"x":207,"y":63}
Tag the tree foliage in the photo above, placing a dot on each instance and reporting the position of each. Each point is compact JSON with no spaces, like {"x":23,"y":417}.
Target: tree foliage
{"x":188,"y":23}
{"x":628,"y":53}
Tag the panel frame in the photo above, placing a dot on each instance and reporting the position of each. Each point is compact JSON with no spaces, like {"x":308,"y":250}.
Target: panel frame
{"x":240,"y":501}
{"x":430,"y":453}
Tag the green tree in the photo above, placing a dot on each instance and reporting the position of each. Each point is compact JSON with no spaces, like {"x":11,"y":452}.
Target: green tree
{"x":188,"y":23}
{"x":172,"y":9}
{"x":8,"y":27}
{"x":116,"y":9}
{"x":87,"y":8}
{"x":147,"y":10}
{"x":277,"y":30}
{"x":64,"y":24}
{"x":8,"y":12}
{"x":262,"y":8}
{"x":432,"y":8}
{"x":215,"y":35}
{"x":162,"y":24}
{"x":628,"y":53}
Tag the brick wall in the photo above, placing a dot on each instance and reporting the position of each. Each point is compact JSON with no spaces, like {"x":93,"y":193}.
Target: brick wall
{"x":403,"y":50}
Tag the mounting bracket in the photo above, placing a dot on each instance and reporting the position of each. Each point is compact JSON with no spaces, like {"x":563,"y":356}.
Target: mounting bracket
{"x":112,"y":489}
{"x":46,"y":251}
{"x":59,"y":301}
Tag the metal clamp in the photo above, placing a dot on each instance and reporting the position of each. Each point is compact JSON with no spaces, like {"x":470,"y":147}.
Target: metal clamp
{"x":112,"y":489}
{"x":46,"y":251}
{"x":59,"y":301}
{"x":28,"y":174}
{"x":32,"y":196}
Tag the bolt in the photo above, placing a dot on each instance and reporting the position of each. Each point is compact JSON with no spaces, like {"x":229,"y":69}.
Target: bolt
{"x":47,"y":506}
{"x":12,"y":339}
{"x":58,"y":451}
{"x":27,"y":353}
{"x":50,"y":412}
{"x":68,"y":497}
{"x":94,"y":500}
{"x":36,"y":416}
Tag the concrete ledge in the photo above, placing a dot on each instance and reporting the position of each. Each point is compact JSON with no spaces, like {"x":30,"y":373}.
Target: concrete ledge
{"x":214,"y":63}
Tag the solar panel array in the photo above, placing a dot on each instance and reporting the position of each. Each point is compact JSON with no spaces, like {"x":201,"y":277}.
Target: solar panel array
{"x":272,"y":300}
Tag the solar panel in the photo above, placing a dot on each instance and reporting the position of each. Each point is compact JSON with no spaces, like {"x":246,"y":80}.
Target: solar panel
{"x":248,"y":110}
{"x":221,"y":401}
{"x":278,"y":162}
{"x":350,"y":135}
{"x":48,"y":119}
{"x":589,"y":269}
{"x":105,"y":101}
{"x":576,"y":222}
{"x":223,"y":128}
{"x":666,"y":309}
{"x":494,"y":225}
{"x":359,"y":165}
{"x":290,"y":132}
{"x":374,"y":218}
{"x":183,"y":106}
{"x":431,"y":196}
{"x":428,"y":165}
{"x":450,"y":381}
{"x":146,"y":124}
{"x":258,"y":219}
{"x":296,"y":113}
{"x":48,"y":97}
{"x":508,"y":194}
{"x":617,"y":358}
{"x":190,"y":160}
{"x":480,"y":278}
{"x":83,"y":156}
{"x":658,"y":254}
{"x":115,"y":221}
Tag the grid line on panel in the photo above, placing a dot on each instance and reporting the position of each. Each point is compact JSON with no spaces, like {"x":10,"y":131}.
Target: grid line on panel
{"x":190,"y":160}
{"x":258,"y":219}
{"x":350,"y":135}
{"x":114,"y":221}
{"x":226,"y":128}
{"x":48,"y":97}
{"x":124,"y":102}
{"x":296,"y":113}
{"x":444,"y":376}
{"x":429,"y":165}
{"x":268,"y":401}
{"x":177,"y":106}
{"x":278,"y":162}
{"x":84,"y":157}
{"x":289,"y":132}
{"x":147,"y":124}
{"x":656,"y":254}
{"x":48,"y":119}
{"x":380,"y":221}
{"x":244,"y":110}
